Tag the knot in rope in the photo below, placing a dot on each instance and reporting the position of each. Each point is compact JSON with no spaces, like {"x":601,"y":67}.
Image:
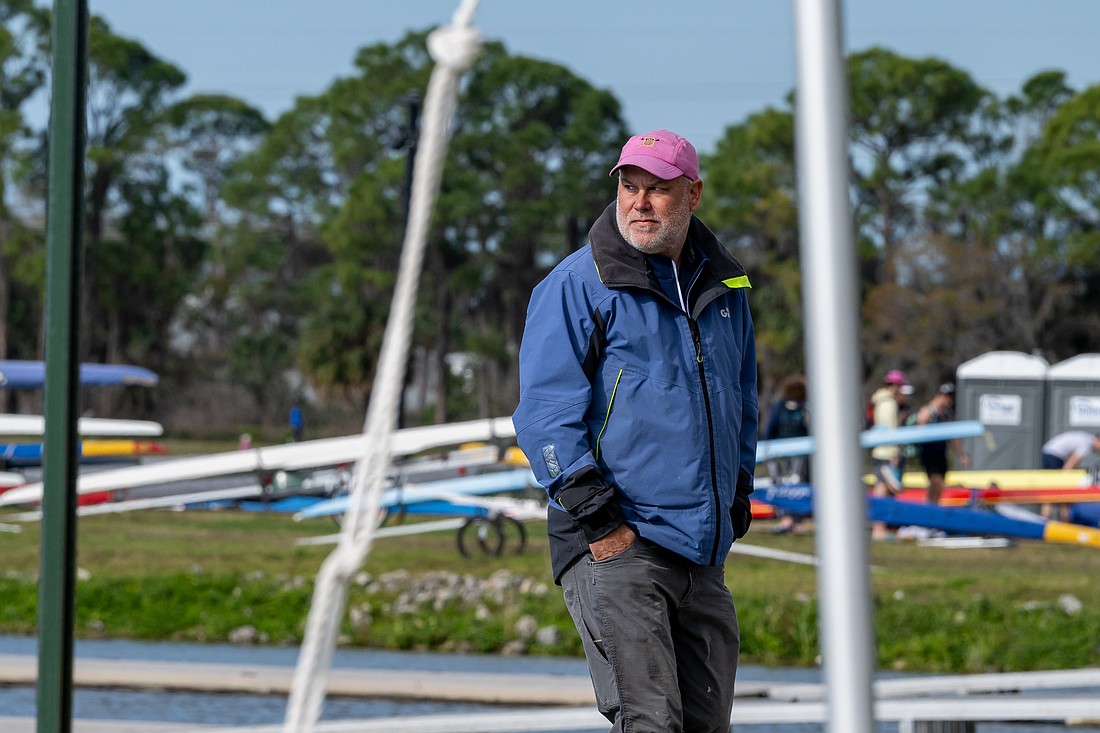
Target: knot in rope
{"x":346,"y":559}
{"x":455,"y":47}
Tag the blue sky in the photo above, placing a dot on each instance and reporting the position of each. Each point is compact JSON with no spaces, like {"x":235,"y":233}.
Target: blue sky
{"x":693,"y":67}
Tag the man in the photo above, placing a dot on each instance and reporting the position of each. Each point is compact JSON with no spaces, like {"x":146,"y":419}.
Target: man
{"x":933,"y":455}
{"x":1067,"y":450}
{"x":886,"y":459}
{"x":638,"y":410}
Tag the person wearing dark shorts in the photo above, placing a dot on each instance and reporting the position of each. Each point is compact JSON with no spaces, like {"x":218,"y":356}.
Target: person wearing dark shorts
{"x":933,"y":455}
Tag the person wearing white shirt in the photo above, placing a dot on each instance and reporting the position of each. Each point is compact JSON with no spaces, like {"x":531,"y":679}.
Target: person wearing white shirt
{"x":1067,"y":450}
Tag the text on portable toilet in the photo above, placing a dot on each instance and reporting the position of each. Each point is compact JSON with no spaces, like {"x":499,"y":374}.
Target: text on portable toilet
{"x":1000,"y":409}
{"x":1084,"y":411}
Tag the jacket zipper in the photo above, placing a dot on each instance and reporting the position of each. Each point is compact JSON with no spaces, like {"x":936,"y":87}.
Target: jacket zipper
{"x":698,"y":344}
{"x":710,"y":434}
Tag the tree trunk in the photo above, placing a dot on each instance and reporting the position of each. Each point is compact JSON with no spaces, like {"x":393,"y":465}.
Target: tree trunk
{"x":5,"y":295}
{"x":442,"y":347}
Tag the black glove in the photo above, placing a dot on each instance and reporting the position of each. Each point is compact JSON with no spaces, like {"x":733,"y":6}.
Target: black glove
{"x":592,"y":502}
{"x":740,"y":516}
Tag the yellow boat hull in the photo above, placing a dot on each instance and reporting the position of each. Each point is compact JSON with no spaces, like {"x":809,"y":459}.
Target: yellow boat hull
{"x":1004,"y":479}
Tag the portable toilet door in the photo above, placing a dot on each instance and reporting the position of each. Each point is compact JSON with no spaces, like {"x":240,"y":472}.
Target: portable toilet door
{"x":1006,"y":392}
{"x":1073,"y":398}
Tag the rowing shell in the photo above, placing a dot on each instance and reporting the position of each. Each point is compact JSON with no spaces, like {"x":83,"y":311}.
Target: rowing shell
{"x":798,"y":499}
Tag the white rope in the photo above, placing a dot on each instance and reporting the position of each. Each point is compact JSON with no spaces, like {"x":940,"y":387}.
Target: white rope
{"x":454,"y":49}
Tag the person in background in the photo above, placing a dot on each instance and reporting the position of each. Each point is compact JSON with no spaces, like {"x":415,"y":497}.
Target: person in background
{"x":905,"y":406}
{"x":934,"y":454}
{"x":297,"y":423}
{"x":1067,"y":450}
{"x":789,"y":417}
{"x":886,"y":459}
{"x":906,"y":416}
{"x":638,"y":408}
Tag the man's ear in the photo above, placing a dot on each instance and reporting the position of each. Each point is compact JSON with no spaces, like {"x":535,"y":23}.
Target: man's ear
{"x":695,"y":193}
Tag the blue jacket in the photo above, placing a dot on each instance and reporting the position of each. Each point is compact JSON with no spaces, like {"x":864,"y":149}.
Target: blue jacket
{"x":632,"y":409}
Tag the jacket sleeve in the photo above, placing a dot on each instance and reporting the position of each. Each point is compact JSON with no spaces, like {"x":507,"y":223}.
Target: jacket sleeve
{"x":555,"y":393}
{"x":750,"y":408}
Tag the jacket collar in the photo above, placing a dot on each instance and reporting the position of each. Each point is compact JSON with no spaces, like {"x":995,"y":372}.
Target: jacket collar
{"x":622,"y":266}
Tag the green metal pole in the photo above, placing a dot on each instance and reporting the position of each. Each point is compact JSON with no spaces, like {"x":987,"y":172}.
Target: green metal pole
{"x":65,"y":207}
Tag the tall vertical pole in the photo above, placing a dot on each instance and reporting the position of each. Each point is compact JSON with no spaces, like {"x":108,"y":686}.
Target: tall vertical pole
{"x":409,"y":142}
{"x":831,"y":310}
{"x":63,"y":275}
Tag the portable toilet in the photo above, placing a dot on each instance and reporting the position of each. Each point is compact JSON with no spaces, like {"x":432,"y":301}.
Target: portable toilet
{"x":1073,"y":398}
{"x":1006,"y":392}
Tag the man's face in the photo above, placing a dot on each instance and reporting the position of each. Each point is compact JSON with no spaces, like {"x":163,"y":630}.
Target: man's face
{"x":653,"y":214}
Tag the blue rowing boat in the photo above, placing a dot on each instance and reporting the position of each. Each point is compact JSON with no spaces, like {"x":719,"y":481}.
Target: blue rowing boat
{"x":769,"y":450}
{"x":797,"y":499}
{"x":21,"y":374}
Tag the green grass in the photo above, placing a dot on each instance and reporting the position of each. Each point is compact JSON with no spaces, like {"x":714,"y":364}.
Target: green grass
{"x":179,"y":447}
{"x":198,"y":576}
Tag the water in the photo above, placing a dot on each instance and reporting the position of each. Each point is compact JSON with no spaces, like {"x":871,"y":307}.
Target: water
{"x":234,"y":709}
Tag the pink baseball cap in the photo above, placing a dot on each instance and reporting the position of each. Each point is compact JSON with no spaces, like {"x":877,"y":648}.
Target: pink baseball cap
{"x":895,"y":376}
{"x":664,"y":154}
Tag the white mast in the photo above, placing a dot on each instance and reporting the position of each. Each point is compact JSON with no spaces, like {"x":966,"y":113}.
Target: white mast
{"x":831,"y":310}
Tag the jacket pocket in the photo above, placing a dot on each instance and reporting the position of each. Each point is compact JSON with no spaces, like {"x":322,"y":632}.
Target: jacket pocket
{"x":607,"y":414}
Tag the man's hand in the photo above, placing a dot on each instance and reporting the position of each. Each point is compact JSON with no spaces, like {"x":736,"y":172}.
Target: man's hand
{"x":612,"y":543}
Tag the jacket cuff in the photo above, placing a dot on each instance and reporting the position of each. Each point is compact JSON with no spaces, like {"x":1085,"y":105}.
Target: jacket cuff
{"x":744,"y":483}
{"x":740,"y":515}
{"x":591,"y":502}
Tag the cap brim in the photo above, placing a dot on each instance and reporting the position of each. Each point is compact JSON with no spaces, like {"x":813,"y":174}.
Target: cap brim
{"x":659,"y":168}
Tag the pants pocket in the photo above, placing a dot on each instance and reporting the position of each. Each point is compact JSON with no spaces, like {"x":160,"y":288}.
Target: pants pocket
{"x":577,"y":588}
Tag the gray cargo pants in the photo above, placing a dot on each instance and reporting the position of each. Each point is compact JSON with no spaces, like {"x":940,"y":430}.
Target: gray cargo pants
{"x":660,"y":635}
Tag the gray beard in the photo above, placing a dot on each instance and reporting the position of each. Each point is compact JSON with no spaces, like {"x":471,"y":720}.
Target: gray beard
{"x":671,"y":238}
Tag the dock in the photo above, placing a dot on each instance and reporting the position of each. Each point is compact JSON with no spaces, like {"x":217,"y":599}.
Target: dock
{"x":27,"y":725}
{"x":544,"y":702}
{"x":256,"y":679}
